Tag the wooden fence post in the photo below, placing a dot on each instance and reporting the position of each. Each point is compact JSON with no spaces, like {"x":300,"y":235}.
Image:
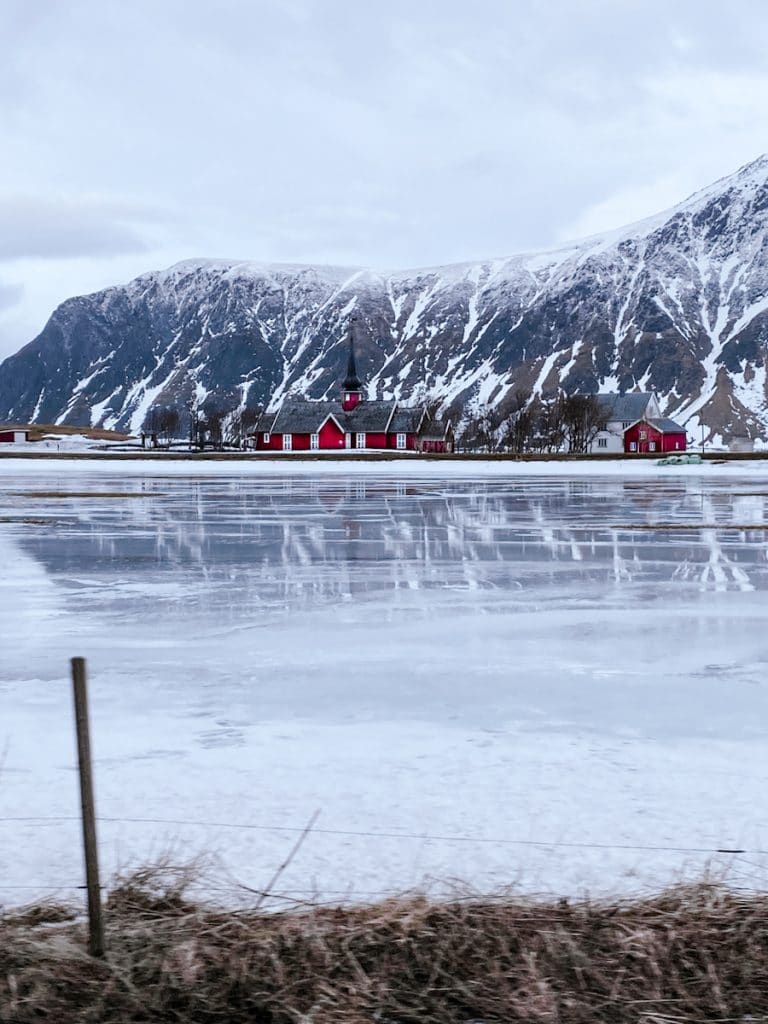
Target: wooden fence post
{"x":95,"y":919}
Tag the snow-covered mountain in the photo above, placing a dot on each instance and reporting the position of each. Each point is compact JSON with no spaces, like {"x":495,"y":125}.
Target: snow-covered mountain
{"x":677,"y":303}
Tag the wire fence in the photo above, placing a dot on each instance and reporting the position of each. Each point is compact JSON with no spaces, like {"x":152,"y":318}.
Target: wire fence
{"x":395,"y":834}
{"x":737,"y":854}
{"x":739,"y":864}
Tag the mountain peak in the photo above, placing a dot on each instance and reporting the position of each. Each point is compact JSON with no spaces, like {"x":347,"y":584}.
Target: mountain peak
{"x":677,"y":304}
{"x":750,"y":176}
{"x":757,"y":166}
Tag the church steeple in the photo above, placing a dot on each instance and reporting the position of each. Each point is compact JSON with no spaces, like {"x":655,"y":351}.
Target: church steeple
{"x":352,"y":386}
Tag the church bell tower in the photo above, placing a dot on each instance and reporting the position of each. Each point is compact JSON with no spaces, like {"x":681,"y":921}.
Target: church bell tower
{"x":351,"y":388}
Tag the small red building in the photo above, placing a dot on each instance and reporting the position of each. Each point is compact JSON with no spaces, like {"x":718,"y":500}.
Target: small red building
{"x":353,"y":422}
{"x":13,"y":435}
{"x":660,"y":435}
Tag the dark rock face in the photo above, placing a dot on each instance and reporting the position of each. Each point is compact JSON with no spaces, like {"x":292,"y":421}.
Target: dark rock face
{"x":678,"y":304}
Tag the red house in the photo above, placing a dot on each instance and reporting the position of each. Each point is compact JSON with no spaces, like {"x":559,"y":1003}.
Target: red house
{"x":13,"y":435}
{"x":353,"y":422}
{"x":647,"y":436}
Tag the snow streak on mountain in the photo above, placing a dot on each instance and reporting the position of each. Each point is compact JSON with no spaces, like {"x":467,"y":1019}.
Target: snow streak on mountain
{"x":677,"y":303}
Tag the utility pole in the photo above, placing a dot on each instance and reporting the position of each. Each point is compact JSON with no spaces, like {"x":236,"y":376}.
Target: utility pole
{"x":95,"y":919}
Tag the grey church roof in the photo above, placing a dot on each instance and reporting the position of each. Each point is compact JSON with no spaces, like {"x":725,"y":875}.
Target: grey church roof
{"x":299,"y":416}
{"x":370,"y":417}
{"x":667,"y":426}
{"x":406,"y":421}
{"x":435,"y":430}
{"x":264,"y":422}
{"x":628,"y":408}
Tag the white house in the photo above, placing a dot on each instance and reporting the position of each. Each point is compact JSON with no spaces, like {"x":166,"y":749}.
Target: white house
{"x":623,"y":411}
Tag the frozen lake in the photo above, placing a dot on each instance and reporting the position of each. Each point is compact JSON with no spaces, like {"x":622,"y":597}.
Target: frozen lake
{"x":498,"y":679}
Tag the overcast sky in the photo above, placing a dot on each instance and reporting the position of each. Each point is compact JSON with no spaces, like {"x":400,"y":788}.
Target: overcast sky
{"x":389,"y":133}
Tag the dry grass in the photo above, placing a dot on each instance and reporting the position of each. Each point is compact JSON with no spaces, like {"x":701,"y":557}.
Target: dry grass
{"x":693,"y":954}
{"x":39,"y":430}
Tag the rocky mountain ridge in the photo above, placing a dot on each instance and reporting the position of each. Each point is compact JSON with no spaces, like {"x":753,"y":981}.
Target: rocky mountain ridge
{"x":677,"y":303}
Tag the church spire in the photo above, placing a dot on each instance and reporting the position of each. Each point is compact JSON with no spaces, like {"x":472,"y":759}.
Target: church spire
{"x":351,"y":382}
{"x":352,"y":386}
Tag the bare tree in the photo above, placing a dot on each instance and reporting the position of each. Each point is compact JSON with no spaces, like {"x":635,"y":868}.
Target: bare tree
{"x":213,"y":427}
{"x":162,"y":423}
{"x":516,"y":429}
{"x":479,"y":433}
{"x":194,"y":421}
{"x":548,"y":432}
{"x":584,"y":417}
{"x":241,"y":424}
{"x":168,"y":424}
{"x":150,"y":424}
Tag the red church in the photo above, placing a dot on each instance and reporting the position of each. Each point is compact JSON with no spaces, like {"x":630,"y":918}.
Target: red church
{"x":352,"y":422}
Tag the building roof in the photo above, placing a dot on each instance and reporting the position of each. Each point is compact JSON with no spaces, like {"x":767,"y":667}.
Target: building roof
{"x":406,"y":420}
{"x":373,"y":417}
{"x":435,"y":430}
{"x":299,"y":416}
{"x":264,"y":423}
{"x":667,"y":426}
{"x":628,"y":408}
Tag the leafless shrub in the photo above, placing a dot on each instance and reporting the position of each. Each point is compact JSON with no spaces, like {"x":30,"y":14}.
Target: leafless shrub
{"x":155,"y":890}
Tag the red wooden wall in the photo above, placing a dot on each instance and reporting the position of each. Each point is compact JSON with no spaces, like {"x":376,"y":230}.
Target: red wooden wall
{"x":644,"y":436}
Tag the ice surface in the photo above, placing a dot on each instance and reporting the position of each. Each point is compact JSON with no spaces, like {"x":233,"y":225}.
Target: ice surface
{"x":495,"y":678}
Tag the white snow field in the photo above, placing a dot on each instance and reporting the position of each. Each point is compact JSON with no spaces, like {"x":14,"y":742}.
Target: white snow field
{"x":480,"y":675}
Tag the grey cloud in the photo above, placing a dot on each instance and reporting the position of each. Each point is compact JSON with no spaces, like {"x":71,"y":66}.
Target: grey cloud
{"x":387,"y":133}
{"x":10,"y":295}
{"x":38,"y":228}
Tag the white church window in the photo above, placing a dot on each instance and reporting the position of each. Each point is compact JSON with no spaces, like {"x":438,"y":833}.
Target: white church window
{"x":287,"y":442}
{"x":314,"y":440}
{"x":266,"y":437}
{"x":401,"y":440}
{"x":360,"y":441}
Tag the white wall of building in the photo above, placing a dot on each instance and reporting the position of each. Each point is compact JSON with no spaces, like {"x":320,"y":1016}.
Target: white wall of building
{"x":608,"y":441}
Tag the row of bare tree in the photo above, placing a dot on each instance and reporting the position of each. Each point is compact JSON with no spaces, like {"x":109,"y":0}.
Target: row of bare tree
{"x":528,"y":423}
{"x":210,"y":426}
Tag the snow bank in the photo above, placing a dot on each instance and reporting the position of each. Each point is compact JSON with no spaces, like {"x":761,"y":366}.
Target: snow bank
{"x":441,"y":469}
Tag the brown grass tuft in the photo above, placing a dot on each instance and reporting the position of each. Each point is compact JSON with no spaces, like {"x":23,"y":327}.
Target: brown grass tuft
{"x":692,"y":954}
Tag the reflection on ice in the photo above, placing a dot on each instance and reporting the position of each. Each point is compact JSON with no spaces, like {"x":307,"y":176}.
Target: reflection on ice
{"x":251,"y":547}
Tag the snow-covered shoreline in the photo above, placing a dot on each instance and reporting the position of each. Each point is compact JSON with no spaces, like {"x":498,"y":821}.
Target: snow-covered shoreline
{"x":438,"y":468}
